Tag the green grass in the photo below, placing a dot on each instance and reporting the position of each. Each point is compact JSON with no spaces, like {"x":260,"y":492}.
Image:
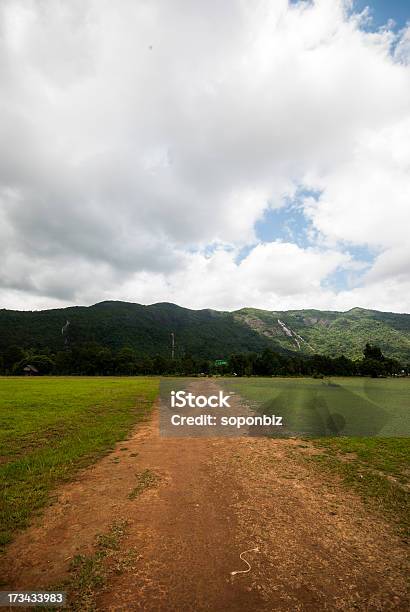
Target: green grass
{"x":89,"y":573}
{"x":145,"y":480}
{"x":377,"y":469}
{"x":376,"y":466}
{"x":352,"y":407}
{"x":51,"y":427}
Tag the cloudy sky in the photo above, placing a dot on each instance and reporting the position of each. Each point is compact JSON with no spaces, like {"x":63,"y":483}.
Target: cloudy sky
{"x":212,"y":154}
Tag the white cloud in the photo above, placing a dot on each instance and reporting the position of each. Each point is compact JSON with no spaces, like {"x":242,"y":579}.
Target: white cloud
{"x":272,"y":273}
{"x":135,"y":135}
{"x":366,"y":199}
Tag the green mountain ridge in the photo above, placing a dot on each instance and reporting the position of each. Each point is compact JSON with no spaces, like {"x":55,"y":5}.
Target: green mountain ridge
{"x":331,"y":332}
{"x":207,"y":333}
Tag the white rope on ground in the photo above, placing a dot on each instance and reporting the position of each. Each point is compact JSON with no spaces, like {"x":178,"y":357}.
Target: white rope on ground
{"x":245,"y":561}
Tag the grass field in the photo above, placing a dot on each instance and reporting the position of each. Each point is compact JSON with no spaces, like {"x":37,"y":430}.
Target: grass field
{"x":51,"y":427}
{"x":350,"y":406}
{"x":370,"y":452}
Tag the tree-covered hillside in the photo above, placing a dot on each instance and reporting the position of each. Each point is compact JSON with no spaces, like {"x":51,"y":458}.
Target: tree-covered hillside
{"x":207,"y":334}
{"x":147,"y":329}
{"x":332,"y":333}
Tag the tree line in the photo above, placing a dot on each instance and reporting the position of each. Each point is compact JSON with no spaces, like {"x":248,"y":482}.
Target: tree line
{"x":92,"y":359}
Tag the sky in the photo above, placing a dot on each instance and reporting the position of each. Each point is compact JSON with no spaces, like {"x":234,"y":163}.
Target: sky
{"x":211,"y":154}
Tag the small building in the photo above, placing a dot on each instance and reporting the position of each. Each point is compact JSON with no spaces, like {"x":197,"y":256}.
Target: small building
{"x":30,"y":370}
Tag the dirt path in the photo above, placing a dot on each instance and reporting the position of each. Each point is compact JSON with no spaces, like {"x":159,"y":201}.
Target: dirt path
{"x":319,"y":548}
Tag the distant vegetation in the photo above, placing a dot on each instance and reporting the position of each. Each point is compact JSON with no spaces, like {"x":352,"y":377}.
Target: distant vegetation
{"x":146,"y":330}
{"x":332,"y":333}
{"x":372,"y":363}
{"x":114,"y":338}
{"x":91,"y":359}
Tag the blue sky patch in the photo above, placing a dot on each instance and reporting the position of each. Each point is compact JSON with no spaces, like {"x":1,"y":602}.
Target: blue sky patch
{"x":383,"y":10}
{"x":288,"y":224}
{"x":344,"y":279}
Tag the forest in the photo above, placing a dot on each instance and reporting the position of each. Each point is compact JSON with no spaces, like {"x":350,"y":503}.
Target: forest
{"x":92,"y":359}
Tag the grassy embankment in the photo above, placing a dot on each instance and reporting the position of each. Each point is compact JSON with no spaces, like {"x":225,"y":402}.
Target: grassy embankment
{"x":367,"y":443}
{"x":52,"y":427}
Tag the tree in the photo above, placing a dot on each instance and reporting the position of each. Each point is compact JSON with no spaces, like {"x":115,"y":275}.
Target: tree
{"x":238,"y":364}
{"x":64,"y":362}
{"x":160,"y":365}
{"x":13,"y":355}
{"x":43,"y":363}
{"x":343,"y":366}
{"x":373,"y":352}
{"x":371,"y":367}
{"x":104,"y":361}
{"x":268,"y":363}
{"x":126,"y":361}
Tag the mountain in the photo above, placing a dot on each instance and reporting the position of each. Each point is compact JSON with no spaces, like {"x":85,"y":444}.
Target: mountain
{"x":207,"y":333}
{"x":332,"y":333}
{"x":201,"y":333}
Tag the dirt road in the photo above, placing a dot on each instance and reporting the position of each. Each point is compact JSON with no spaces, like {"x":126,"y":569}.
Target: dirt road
{"x":319,"y":548}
